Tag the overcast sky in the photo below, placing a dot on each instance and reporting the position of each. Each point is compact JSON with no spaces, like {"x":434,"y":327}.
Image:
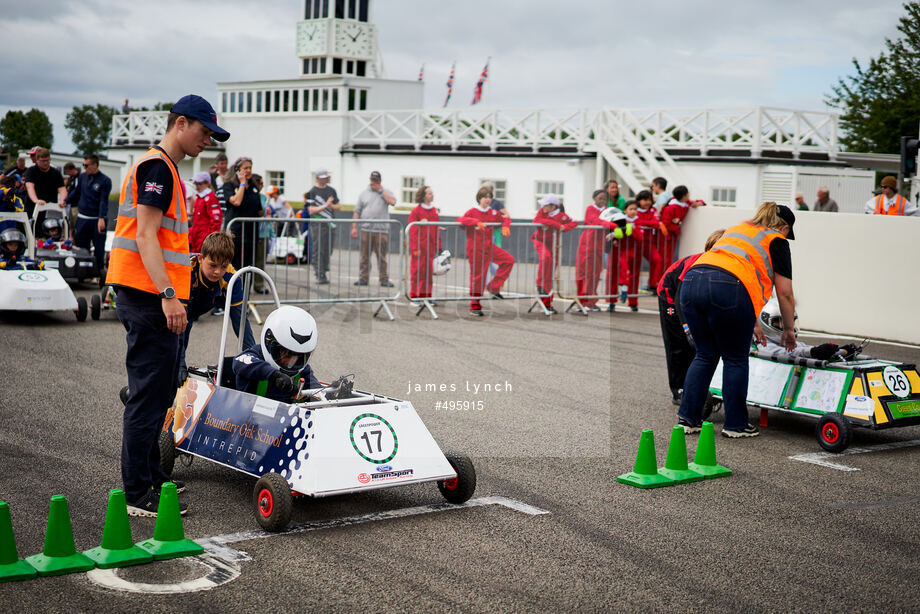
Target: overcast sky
{"x":544,"y":53}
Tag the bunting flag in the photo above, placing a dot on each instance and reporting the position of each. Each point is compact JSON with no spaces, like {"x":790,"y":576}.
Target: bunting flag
{"x":421,"y":73}
{"x":477,"y":91}
{"x":450,"y":83}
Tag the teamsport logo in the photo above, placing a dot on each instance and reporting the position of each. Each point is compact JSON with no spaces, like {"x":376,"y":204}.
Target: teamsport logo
{"x":153,"y":187}
{"x":384,"y":476}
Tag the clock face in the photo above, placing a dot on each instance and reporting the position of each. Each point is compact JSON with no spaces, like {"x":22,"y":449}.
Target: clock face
{"x":354,"y":39}
{"x":311,"y":38}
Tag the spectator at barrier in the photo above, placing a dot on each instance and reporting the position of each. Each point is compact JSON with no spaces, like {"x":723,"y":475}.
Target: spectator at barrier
{"x":322,"y":202}
{"x":800,"y":202}
{"x":243,"y":200}
{"x":720,"y":298}
{"x":659,"y":189}
{"x":480,"y":251}
{"x":825,"y":202}
{"x":19,"y":168}
{"x":631,"y":258}
{"x":10,"y":202}
{"x":672,"y":216}
{"x":44,"y":183}
{"x":206,"y":214}
{"x":589,"y":261}
{"x":91,"y":196}
{"x":71,"y":175}
{"x":424,"y":243}
{"x":889,"y":202}
{"x":554,"y":220}
{"x":373,"y":204}
{"x":266,"y":233}
{"x":647,"y":219}
{"x":678,"y":347}
{"x":217,"y":175}
{"x":277,"y":207}
{"x":614,"y":198}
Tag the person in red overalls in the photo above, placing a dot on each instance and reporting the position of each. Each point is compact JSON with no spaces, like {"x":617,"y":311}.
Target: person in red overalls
{"x":647,"y":220}
{"x":630,"y":259}
{"x":589,"y":262}
{"x":424,"y":243}
{"x":553,"y":220}
{"x":481,"y":252}
{"x":672,"y":216}
{"x":207,"y":216}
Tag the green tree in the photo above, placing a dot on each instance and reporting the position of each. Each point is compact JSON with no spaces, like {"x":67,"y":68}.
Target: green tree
{"x":23,"y":130}
{"x":90,"y":126}
{"x":881,"y":101}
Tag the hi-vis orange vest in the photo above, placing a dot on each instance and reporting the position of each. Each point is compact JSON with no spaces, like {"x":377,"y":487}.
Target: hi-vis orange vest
{"x":897,"y":209}
{"x":744,"y":251}
{"x":125,"y":265}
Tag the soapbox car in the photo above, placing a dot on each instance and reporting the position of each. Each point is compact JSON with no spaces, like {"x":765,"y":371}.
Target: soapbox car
{"x":43,"y":290}
{"x":840,"y":395}
{"x":74,"y":263}
{"x":332,"y":440}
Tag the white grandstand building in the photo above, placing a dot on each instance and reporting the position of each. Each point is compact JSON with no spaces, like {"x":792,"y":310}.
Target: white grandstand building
{"x":340,"y":113}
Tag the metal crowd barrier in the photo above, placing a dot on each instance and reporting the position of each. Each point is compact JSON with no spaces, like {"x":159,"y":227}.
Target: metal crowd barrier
{"x":602,"y":265}
{"x":317,"y":261}
{"x":458,"y":283}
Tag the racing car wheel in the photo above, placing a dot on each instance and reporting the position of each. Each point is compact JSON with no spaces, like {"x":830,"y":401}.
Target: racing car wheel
{"x":833,"y":432}
{"x":460,"y":488}
{"x":272,"y":502}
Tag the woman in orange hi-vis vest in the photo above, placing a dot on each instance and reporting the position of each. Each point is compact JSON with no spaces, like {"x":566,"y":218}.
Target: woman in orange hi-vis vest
{"x":150,"y":269}
{"x":720,"y":298}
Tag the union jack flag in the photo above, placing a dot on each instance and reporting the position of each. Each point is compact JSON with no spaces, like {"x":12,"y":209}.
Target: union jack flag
{"x":477,"y":91}
{"x":421,"y":73}
{"x":450,"y":83}
{"x":153,"y":187}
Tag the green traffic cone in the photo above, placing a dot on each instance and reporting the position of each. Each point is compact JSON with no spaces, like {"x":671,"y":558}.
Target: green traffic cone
{"x":11,"y":566}
{"x":675,"y":466}
{"x":117,"y":549}
{"x":168,"y":541}
{"x":645,"y":472}
{"x":59,"y":555}
{"x":704,"y":462}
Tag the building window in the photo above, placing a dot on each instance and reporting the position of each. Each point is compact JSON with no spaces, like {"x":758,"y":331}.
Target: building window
{"x":287,"y":100}
{"x":325,"y":99}
{"x":352,"y":8}
{"x":335,"y":99}
{"x":249,"y":102}
{"x":223,"y":102}
{"x":295,"y":94}
{"x":361,"y":68}
{"x":409,"y":186}
{"x":307,"y":9}
{"x":314,"y":65}
{"x":499,"y":187}
{"x":325,"y":10}
{"x":276,"y":106}
{"x":337,"y":66}
{"x":258,"y":102}
{"x":351,"y":99}
{"x":362,"y":10}
{"x":232,"y":102}
{"x":724,"y":197}
{"x":350,"y":67}
{"x":362,"y":102}
{"x":322,"y":65}
{"x":542,"y":188}
{"x":275,"y":178}
{"x":316,"y":99}
{"x":340,"y":9}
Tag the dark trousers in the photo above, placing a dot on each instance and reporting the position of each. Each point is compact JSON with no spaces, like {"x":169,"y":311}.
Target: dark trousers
{"x":720,"y":315}
{"x":86,"y":233}
{"x":151,"y":362}
{"x":322,"y":248}
{"x":678,"y":351}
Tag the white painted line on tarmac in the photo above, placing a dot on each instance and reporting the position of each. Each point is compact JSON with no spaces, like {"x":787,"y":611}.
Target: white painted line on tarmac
{"x":223,"y":562}
{"x":820,"y":458}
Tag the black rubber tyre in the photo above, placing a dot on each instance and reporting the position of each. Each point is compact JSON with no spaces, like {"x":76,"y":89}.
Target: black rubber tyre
{"x":272,"y":502}
{"x":95,"y":306}
{"x":461,"y":488}
{"x":81,"y":309}
{"x":123,"y":395}
{"x":167,"y":452}
{"x":833,"y":432}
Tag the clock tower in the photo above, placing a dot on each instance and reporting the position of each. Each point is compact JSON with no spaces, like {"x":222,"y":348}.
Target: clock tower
{"x":336,"y":38}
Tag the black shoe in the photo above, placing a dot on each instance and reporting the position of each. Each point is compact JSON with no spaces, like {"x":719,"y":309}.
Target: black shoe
{"x":123,"y":395}
{"x":610,"y":308}
{"x":218,"y":311}
{"x":360,"y":282}
{"x":147,"y":506}
{"x":749,"y":431}
{"x":593,"y":308}
{"x":180,"y":486}
{"x":634,"y":308}
{"x":322,"y":281}
{"x":476,"y":312}
{"x":551,"y":309}
{"x":386,"y":284}
{"x":675,"y":398}
{"x":497,"y":295}
{"x":690,"y":429}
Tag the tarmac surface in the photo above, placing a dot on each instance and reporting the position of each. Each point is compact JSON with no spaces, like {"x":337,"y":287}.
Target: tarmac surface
{"x":570,"y":397}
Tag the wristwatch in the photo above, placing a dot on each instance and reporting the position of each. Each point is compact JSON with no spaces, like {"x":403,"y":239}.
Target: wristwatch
{"x":168,"y":293}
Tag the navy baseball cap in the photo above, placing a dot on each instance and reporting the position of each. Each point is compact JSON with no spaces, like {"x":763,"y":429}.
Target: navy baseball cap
{"x":196,"y":107}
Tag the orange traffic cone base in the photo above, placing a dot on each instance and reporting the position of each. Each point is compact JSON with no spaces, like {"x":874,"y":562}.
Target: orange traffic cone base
{"x":19,"y":570}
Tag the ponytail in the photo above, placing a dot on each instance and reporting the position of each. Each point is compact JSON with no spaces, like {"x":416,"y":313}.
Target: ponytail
{"x":767,"y":215}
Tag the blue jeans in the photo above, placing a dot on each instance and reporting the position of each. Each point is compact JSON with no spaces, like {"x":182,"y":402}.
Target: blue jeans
{"x":721,"y":318}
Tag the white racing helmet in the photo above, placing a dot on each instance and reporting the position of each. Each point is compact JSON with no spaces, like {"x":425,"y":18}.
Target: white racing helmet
{"x":612,"y":214}
{"x":440,"y":264}
{"x":290,"y":331}
{"x":771,"y":321}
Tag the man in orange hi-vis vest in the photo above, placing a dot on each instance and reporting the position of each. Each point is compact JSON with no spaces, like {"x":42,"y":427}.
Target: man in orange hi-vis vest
{"x":150,"y":269}
{"x":889,"y":202}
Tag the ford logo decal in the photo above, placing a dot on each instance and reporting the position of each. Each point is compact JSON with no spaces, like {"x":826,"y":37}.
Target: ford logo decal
{"x":384,"y":468}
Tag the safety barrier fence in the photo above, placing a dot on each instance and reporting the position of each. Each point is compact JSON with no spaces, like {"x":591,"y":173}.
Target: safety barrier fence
{"x":321,"y":261}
